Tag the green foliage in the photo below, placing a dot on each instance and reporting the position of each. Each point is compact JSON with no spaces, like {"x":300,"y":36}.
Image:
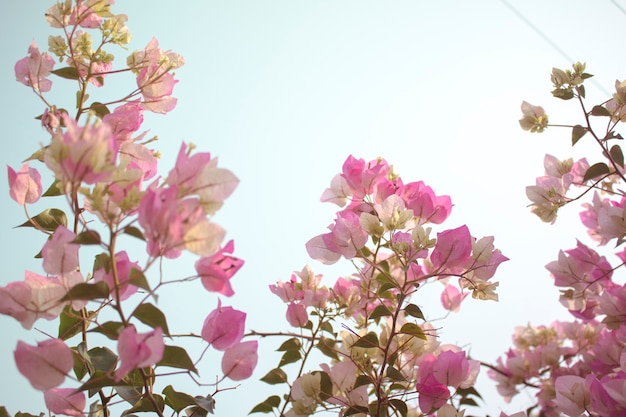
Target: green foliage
{"x":177,"y":357}
{"x":48,"y":220}
{"x":275,"y":376}
{"x":266,"y":406}
{"x":86,"y":291}
{"x":596,"y":170}
{"x":577,"y":133}
{"x":177,"y":401}
{"x":150,"y":315}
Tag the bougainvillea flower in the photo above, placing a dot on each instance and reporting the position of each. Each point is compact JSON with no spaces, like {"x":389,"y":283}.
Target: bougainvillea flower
{"x":25,"y":184}
{"x":240,"y":360}
{"x":65,"y":401}
{"x":224,"y":327}
{"x":138,"y":350}
{"x":33,"y":70}
{"x":45,"y":365}
{"x":215,"y":271}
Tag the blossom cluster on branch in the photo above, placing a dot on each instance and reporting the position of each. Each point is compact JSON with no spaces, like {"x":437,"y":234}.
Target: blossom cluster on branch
{"x":578,"y":367}
{"x":110,"y":344}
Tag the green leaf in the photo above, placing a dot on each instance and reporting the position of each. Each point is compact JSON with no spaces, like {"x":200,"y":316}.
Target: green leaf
{"x":145,"y":405}
{"x":384,"y":288}
{"x":578,"y":132}
{"x":327,"y":347}
{"x":394,"y":374}
{"x":328,"y":328}
{"x":100,"y":109}
{"x":54,"y":190}
{"x":290,"y":344}
{"x":70,"y":323}
{"x":362,"y":380}
{"x":89,"y":237}
{"x":103,"y":359}
{"x":134,"y":232}
{"x":177,"y":401}
{"x":85,"y":291}
{"x":380,"y":311}
{"x":596,"y":170}
{"x":600,"y":111}
{"x":581,"y":90}
{"x":129,"y":393}
{"x":4,"y":412}
{"x":413,"y":330}
{"x":275,"y":376}
{"x":138,"y":279}
{"x":370,"y":340}
{"x":466,"y":392}
{"x":563,"y":94}
{"x":110,"y":329}
{"x":468,"y":401}
{"x":326,"y":385}
{"x":414,"y":311}
{"x":97,"y":381}
{"x":48,"y":220}
{"x":399,"y":406}
{"x":289,"y":357}
{"x":356,"y":409}
{"x":617,"y":155}
{"x":177,"y":357}
{"x":150,"y":315}
{"x":20,"y":414}
{"x":266,"y":406}
{"x":69,"y":73}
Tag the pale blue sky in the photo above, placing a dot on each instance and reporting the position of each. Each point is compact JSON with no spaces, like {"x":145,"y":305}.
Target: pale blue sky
{"x":283,"y":91}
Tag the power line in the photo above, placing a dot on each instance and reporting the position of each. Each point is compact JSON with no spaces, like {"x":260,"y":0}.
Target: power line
{"x":620,"y":8}
{"x":549,"y":41}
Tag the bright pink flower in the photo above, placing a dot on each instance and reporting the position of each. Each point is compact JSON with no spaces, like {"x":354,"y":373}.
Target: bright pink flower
{"x":346,"y":238}
{"x":240,"y":360}
{"x":65,"y":401}
{"x":317,"y":249}
{"x":33,"y":70}
{"x":451,"y":297}
{"x":486,"y":258}
{"x":171,"y":224}
{"x":216,"y":270}
{"x":24,"y":185}
{"x":198,"y":174}
{"x":59,"y":254}
{"x":124,"y":268}
{"x":338,"y":192}
{"x":224,"y":327}
{"x":125,"y":120}
{"x":362,"y":177}
{"x":82,"y":154}
{"x":84,"y":15}
{"x":451,"y":368}
{"x":153,"y":67}
{"x":45,"y":365}
{"x":138,"y":350}
{"x":287,"y":291}
{"x":37,"y":296}
{"x":432,"y":394}
{"x":572,"y":396}
{"x":297,"y":315}
{"x":135,"y":156}
{"x":426,"y":206}
{"x":453,"y":248}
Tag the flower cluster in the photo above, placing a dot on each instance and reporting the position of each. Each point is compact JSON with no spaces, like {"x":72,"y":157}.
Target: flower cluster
{"x":387,"y":357}
{"x":578,"y":367}
{"x":106,"y":171}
